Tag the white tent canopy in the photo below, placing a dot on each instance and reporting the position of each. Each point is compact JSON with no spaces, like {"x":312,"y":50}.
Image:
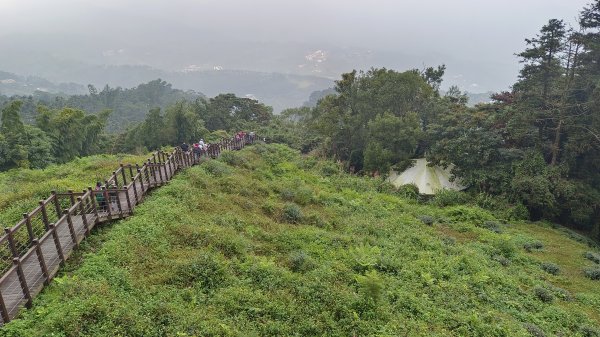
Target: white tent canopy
{"x":429,"y":179}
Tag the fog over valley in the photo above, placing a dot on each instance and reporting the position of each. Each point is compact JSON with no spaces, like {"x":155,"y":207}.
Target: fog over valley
{"x":220,"y":46}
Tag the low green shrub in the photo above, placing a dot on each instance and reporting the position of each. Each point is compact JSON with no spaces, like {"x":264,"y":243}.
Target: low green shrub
{"x":329,"y":169}
{"x":594,"y":257}
{"x":287,"y":194}
{"x":365,"y":257}
{"x":543,"y":294}
{"x":592,"y":273}
{"x":449,"y":240}
{"x":427,"y":220}
{"x":292,"y":213}
{"x":505,"y":262}
{"x":268,"y":207}
{"x":492,"y":226}
{"x":469,"y":214}
{"x":447,"y":197}
{"x":384,"y":186}
{"x":550,"y":268}
{"x":408,"y":191}
{"x":314,"y":220}
{"x":303,"y":196}
{"x":505,"y":248}
{"x":563,"y":294}
{"x":216,"y":168}
{"x":233,"y":159}
{"x":300,"y":262}
{"x":534,"y":330}
{"x":589,"y":331}
{"x":533,"y":246}
{"x":371,"y":285}
{"x":206,"y":270}
{"x":502,"y":208}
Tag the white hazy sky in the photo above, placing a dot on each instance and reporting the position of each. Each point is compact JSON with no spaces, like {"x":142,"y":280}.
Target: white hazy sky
{"x":484,"y":33}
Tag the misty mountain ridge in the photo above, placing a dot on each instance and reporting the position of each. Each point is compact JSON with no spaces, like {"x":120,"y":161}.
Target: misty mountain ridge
{"x":13,"y":84}
{"x":278,"y":90}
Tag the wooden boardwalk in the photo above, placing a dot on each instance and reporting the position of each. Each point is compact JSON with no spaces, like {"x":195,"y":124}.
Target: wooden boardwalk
{"x":32,"y":252}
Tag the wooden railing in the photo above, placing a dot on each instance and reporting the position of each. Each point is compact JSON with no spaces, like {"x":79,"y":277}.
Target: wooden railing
{"x":32,"y":252}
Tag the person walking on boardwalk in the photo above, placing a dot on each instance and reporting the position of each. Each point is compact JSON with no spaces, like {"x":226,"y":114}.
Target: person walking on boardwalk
{"x":197,"y":151}
{"x":184,"y":147}
{"x":101,"y":196}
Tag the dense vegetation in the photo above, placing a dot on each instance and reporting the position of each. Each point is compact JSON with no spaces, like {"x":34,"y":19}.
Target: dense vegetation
{"x":58,"y":135}
{"x":537,"y":146}
{"x":267,"y":242}
{"x":21,"y":189}
{"x":128,"y":106}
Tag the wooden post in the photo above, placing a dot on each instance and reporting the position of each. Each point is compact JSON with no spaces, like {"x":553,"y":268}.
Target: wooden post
{"x":160,"y":175}
{"x":93,"y":198}
{"x":23,"y":281}
{"x":151,"y":172}
{"x":131,"y":171}
{"x":71,"y":227}
{"x":41,"y":260}
{"x":3,"y":311}
{"x":148,"y":182}
{"x":44,"y":214}
{"x":71,"y":197}
{"x":106,"y":197}
{"x":29,"y":228}
{"x":61,"y":256}
{"x":141,"y":179}
{"x":173,"y":162}
{"x":128,"y":201}
{"x":83,"y":216}
{"x":119,"y":203}
{"x":56,"y":204}
{"x":135,"y":195}
{"x":123,"y":175}
{"x":11,"y":242}
{"x":115,"y":179}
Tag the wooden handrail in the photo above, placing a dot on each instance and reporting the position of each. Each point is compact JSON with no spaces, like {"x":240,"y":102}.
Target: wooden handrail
{"x":85,"y":211}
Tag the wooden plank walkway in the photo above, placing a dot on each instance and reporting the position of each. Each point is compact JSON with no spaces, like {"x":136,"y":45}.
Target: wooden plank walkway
{"x":32,"y":252}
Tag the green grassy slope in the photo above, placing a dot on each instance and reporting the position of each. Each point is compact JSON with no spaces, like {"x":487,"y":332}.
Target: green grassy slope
{"x":21,"y":189}
{"x":265,"y":242}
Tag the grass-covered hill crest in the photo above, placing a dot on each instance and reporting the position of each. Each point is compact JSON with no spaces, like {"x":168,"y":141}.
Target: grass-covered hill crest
{"x":266,"y":242}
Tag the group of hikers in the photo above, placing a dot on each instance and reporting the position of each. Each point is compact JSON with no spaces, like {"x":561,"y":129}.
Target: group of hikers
{"x":201,"y":148}
{"x":106,"y":195}
{"x":198,"y":149}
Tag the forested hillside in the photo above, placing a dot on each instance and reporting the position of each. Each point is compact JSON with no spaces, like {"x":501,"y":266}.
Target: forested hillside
{"x":266,"y":242}
{"x":535,"y":147}
{"x":128,"y":106}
